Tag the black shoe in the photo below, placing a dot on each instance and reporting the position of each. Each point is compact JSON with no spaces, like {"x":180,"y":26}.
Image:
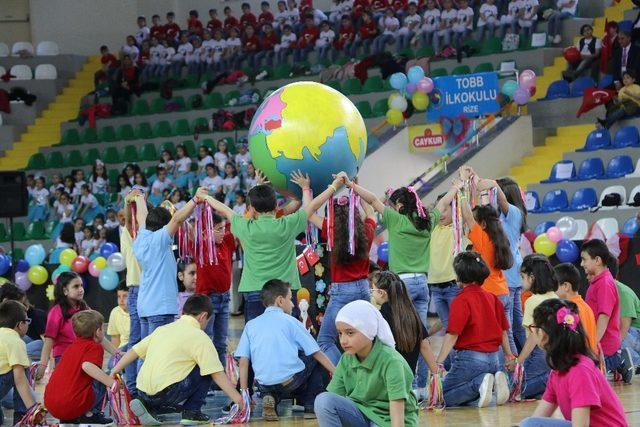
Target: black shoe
{"x":96,"y":419}
{"x":601,"y":122}
{"x":227,"y":408}
{"x":193,"y":418}
{"x":626,"y":367}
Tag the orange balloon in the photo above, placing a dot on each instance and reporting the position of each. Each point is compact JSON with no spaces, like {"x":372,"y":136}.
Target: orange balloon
{"x":303,"y":293}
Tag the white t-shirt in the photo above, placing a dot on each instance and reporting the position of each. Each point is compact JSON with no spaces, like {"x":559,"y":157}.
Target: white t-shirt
{"x":168,"y":165}
{"x":194,"y":55}
{"x":142,"y":34}
{"x":431,"y":19}
{"x":293,"y":15}
{"x":325,"y":38}
{"x":231,"y":43}
{"x":111,"y":223}
{"x":585,"y":48}
{"x":157,"y":54}
{"x":231,"y":184}
{"x":288,"y":40}
{"x":132,"y":51}
{"x":412,"y":21}
{"x":390,"y":25}
{"x":212,"y":183}
{"x":89,"y":200}
{"x":159,"y":186}
{"x":167,"y":55}
{"x":563,"y":6}
{"x":221,"y":159}
{"x":123,"y":193}
{"x":447,"y":17}
{"x":240,"y":209}
{"x":53,"y":188}
{"x":99,"y":185}
{"x":528,"y":6}
{"x":250,"y":182}
{"x":512,"y":9}
{"x":183,"y":164}
{"x":465,"y":19}
{"x":282,"y":18}
{"x":218,"y":47}
{"x":61,"y":211}
{"x":243,"y":160}
{"x":202,"y":163}
{"x":318,"y":17}
{"x":183,"y":51}
{"x":88,"y":246}
{"x":488,"y":14}
{"x":41,"y":196}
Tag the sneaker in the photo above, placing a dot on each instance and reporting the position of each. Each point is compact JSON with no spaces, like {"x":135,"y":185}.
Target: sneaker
{"x":309,"y":414}
{"x":557,"y":39}
{"x":226,"y":409}
{"x":486,"y":391}
{"x":297,"y":408}
{"x":626,"y":367}
{"x":501,"y":388}
{"x":420,"y":393}
{"x":193,"y":418}
{"x":97,"y":419}
{"x":146,"y":418}
{"x":549,"y":38}
{"x":269,"y":412}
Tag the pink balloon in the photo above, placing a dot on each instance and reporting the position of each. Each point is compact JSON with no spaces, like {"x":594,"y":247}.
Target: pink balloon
{"x":554,"y":234}
{"x":93,"y":270}
{"x":527,"y":79}
{"x":425,"y":85}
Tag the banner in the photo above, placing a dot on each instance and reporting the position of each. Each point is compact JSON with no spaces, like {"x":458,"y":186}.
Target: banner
{"x":469,"y":95}
{"x":426,"y":137}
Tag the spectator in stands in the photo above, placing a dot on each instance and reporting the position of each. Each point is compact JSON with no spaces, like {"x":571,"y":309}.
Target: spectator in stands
{"x":204,"y":158}
{"x":144,"y":61}
{"x":267,"y":42}
{"x":140,"y":182}
{"x":194,"y":24}
{"x":212,"y":181}
{"x":171,"y":29}
{"x":626,"y":104}
{"x":99,"y":180}
{"x":240,"y":205}
{"x":288,"y":40}
{"x":307,"y":41}
{"x":565,"y":9}
{"x":143,"y":31}
{"x":67,"y":238}
{"x":78,"y":226}
{"x":346,"y":38}
{"x":230,"y":21}
{"x":589,"y":47}
{"x":247,"y":17}
{"x":282,"y":17}
{"x":231,"y":183}
{"x":510,"y":19}
{"x":431,"y":23}
{"x":78,"y":179}
{"x":463,"y":25}
{"x":130,"y":49}
{"x":56,"y":183}
{"x":627,"y":57}
{"x":266,"y":17}
{"x":411,"y":24}
{"x":157,"y":29}
{"x":250,"y":47}
{"x":112,"y":220}
{"x":125,"y":84}
{"x":194,"y":57}
{"x":250,"y":179}
{"x":182,"y":172}
{"x":109,"y":66}
{"x":390,"y":25}
{"x":242,"y":158}
{"x":88,"y":207}
{"x":318,"y":16}
{"x":161,"y":183}
{"x":167,"y":60}
{"x":222,"y":156}
{"x":447,"y":18}
{"x":88,"y":244}
{"x":379,"y":9}
{"x":367,"y":33}
{"x":63,"y":208}
{"x":182,"y":52}
{"x":156,"y":53}
{"x":217,"y":46}
{"x":324,"y":41}
{"x":487,"y":19}
{"x":123,"y":188}
{"x":528,"y":16}
{"x":233,"y":49}
{"x":610,"y":44}
{"x":214,"y":23}
{"x":39,"y":211}
{"x":294,"y":15}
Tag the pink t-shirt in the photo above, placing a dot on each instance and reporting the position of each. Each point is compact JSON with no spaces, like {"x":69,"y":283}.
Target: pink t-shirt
{"x":602,"y":297}
{"x":584,"y":385}
{"x":60,"y":330}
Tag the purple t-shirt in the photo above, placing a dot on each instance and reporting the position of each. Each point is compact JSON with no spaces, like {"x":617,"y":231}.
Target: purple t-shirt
{"x":602,"y":297}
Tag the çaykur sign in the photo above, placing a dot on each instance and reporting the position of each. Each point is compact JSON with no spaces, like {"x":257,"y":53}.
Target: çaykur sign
{"x":470,"y":95}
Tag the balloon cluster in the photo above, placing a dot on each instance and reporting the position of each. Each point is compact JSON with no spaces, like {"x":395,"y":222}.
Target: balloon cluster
{"x":414,"y":86}
{"x":557,"y":240}
{"x":522,"y":90}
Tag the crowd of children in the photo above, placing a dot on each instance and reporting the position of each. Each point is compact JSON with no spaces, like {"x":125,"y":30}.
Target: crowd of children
{"x":174,"y":316}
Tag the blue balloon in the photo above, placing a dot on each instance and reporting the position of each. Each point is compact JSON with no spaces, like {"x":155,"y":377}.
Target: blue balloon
{"x":54,"y":256}
{"x":35,"y":255}
{"x":5,"y":263}
{"x":383,"y":252}
{"x":415,"y":74}
{"x":22,"y":266}
{"x":93,"y":256}
{"x":108,"y":279}
{"x":398,"y":81}
{"x":509,"y":87}
{"x":567,"y":251}
{"x":543,"y":227}
{"x":631,"y":227}
{"x":107,"y":249}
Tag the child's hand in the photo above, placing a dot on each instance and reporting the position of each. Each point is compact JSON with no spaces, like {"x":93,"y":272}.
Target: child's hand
{"x":261,"y":179}
{"x":342,"y":179}
{"x":202,"y":194}
{"x":510,"y":364}
{"x":303,"y":181}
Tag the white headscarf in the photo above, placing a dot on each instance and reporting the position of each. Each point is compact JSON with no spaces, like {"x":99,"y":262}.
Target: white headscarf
{"x":364,"y":317}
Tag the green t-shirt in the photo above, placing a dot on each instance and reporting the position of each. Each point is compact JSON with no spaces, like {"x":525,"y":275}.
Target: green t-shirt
{"x":408,"y":246}
{"x":383,"y":376}
{"x":629,"y":304}
{"x":269,"y":249}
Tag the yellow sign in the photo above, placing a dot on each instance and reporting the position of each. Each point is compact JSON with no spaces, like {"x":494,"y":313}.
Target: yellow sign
{"x":426,"y":137}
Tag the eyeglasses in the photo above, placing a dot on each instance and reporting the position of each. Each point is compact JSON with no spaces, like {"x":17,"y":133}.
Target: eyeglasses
{"x":532,"y":327}
{"x":27,"y":321}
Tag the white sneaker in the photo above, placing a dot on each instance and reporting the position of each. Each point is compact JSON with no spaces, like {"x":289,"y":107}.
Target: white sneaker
{"x":486,"y":391}
{"x":501,"y":388}
{"x":420,"y":393}
{"x":557,"y":39}
{"x":549,"y":38}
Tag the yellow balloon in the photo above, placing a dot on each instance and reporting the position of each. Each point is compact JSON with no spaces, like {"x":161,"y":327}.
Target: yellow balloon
{"x":420,"y":101}
{"x":37,"y":275}
{"x":394,"y":117}
{"x":67,"y":256}
{"x":100,"y":263}
{"x":544,"y":246}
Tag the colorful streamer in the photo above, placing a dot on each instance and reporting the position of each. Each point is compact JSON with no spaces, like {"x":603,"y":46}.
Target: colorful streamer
{"x":119,"y":400}
{"x":353,"y":200}
{"x":435,"y":394}
{"x":204,"y":240}
{"x":32,"y":374}
{"x":517,"y":381}
{"x":232,"y":368}
{"x":457,"y":222}
{"x":35,"y":416}
{"x":330,"y":224}
{"x":419,"y":206}
{"x":185,"y":242}
{"x":237,"y":415}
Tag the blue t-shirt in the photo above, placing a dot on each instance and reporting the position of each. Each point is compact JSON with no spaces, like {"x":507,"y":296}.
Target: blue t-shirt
{"x":272,"y":342}
{"x":158,"y":292}
{"x":511,"y":224}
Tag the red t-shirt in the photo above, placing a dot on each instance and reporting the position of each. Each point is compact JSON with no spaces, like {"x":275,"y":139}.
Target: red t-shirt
{"x":157,"y":31}
{"x":360,"y":6}
{"x":368,"y":30}
{"x":195,"y":23}
{"x":69,"y":393}
{"x":312,"y":32}
{"x":248,"y":18}
{"x":399,"y":4}
{"x":145,"y":55}
{"x":267,"y":42}
{"x":265,"y":18}
{"x":347,"y":34}
{"x":214,"y":24}
{"x":251,"y":44}
{"x":217,"y":277}
{"x":356,"y":269}
{"x":110,"y":60}
{"x":230,"y":22}
{"x":379,"y":4}
{"x":172,"y":30}
{"x":477,"y":317}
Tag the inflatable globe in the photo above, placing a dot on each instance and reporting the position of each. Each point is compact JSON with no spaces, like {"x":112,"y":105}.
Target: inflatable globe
{"x":311,"y":127}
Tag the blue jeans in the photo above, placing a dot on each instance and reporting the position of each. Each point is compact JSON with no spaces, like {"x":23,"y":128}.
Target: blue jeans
{"x":419,"y":293}
{"x":340,"y":294}
{"x":380,"y":42}
{"x":217,"y":328}
{"x":253,"y":306}
{"x":461,"y":385}
{"x":19,"y":408}
{"x":190,"y":393}
{"x":443,"y":294}
{"x":34,"y":347}
{"x":518,"y":334}
{"x":151,"y":323}
{"x":632,"y":342}
{"x":536,"y":373}
{"x":334,"y":410}
{"x":544,"y":422}
{"x":508,"y":309}
{"x":554,"y":22}
{"x":131,"y":371}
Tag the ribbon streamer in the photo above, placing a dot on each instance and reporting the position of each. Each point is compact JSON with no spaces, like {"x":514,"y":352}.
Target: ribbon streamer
{"x":119,"y":400}
{"x":232,"y":368}
{"x":204,"y":240}
{"x":517,"y":381}
{"x":457,"y":223}
{"x":330,"y":224}
{"x":419,"y":206}
{"x":32,"y":374}
{"x":35,"y":416}
{"x":435,"y":394}
{"x":236,"y":415}
{"x":353,"y":200}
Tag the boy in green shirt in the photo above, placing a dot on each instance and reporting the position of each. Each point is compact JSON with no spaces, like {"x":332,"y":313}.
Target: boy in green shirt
{"x":629,"y":316}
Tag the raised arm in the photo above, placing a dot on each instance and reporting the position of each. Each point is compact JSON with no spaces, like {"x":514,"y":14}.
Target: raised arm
{"x":323,"y":197}
{"x":503,"y":203}
{"x":180,"y":216}
{"x":203,"y":194}
{"x":128,"y":358}
{"x":448,"y":197}
{"x":365,"y":194}
{"x":141,"y":210}
{"x":367,"y":210}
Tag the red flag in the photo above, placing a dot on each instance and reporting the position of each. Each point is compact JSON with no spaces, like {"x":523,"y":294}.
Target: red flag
{"x":593,"y":97}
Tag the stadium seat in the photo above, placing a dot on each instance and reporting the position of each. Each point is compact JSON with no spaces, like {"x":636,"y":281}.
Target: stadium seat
{"x":192,"y":99}
{"x":21,"y":72}
{"x":425,"y":52}
{"x":113,"y":174}
{"x":201,"y":123}
{"x":158,"y":106}
{"x":46,"y":72}
{"x":531,"y":201}
{"x":214,"y":100}
{"x":148,"y":152}
{"x":282,"y":71}
{"x":18,"y":47}
{"x":54,"y":160}
{"x":73,"y":159}
{"x":365,"y":109}
{"x":563,"y":170}
{"x":554,"y":200}
{"x":140,"y":107}
{"x":626,"y":137}
{"x":129,"y":153}
{"x":4,"y":50}
{"x":605,"y":81}
{"x":592,"y":168}
{"x":335,"y":85}
{"x":596,"y":140}
{"x":107,"y":134}
{"x":614,"y":189}
{"x":181,"y":128}
{"x":90,"y":156}
{"x":491,"y":45}
{"x":49,"y":227}
{"x":110,"y":155}
{"x":234,"y":94}
{"x":70,"y":137}
{"x":149,"y":171}
{"x":438,"y":72}
{"x":18,"y":231}
{"x":191,"y":148}
{"x":583,"y":229}
{"x":609,"y":226}
{"x":558,"y":89}
{"x":169,"y":146}
{"x":35,"y":231}
{"x":143,"y":131}
{"x":4,"y":236}
{"x":618,"y":167}
{"x":47,"y":48}
{"x":373,"y":84}
{"x":632,"y":195}
{"x":179,"y":100}
{"x":380,"y":108}
{"x":580,"y":84}
{"x":125,"y":133}
{"x":352,"y":87}
{"x":630,"y":226}
{"x":36,"y":162}
{"x":162,"y":129}
{"x":583,"y":199}
{"x":543,"y":227}
{"x":461,"y":70}
{"x":89,"y":136}
{"x":485,"y":67}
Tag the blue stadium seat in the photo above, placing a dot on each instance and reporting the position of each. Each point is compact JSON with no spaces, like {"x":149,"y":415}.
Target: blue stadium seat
{"x":618,"y":167}
{"x":543,"y":227}
{"x":626,"y":25}
{"x":605,"y":81}
{"x":597,"y":140}
{"x":630,"y":227}
{"x":554,"y":200}
{"x":558,"y":89}
{"x":583,"y":199}
{"x":626,"y":137}
{"x":592,"y":168}
{"x":558,"y":174}
{"x":580,"y":84}
{"x":531,"y":201}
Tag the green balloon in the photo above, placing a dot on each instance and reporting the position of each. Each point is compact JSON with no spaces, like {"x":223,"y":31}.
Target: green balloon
{"x":509,"y":87}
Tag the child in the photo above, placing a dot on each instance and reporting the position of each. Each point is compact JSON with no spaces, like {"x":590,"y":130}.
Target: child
{"x":167,"y":162}
{"x":250,"y":47}
{"x":221,"y":156}
{"x":538,"y":277}
{"x":35,"y":331}
{"x":233,"y":49}
{"x":448,"y":18}
{"x":294,"y":374}
{"x":251,"y":178}
{"x":182,"y":52}
{"x":390,"y":25}
{"x":372,"y":382}
{"x":89,"y":206}
{"x":40,"y":197}
{"x":123,"y":188}
{"x":177,"y":198}
{"x":214,"y":23}
{"x":411,"y":24}
{"x":130,"y":49}
{"x":193,"y":58}
{"x":627,"y":102}
{"x":112,"y":220}
{"x":247,"y":17}
{"x":204,"y":158}
{"x":79,"y":377}
{"x":231,"y":182}
{"x":325,"y":40}
{"x":143,"y":31}
{"x":157,"y":29}
{"x":212,"y":181}
{"x":119,"y":320}
{"x":566,"y":9}
{"x":589,"y":47}
{"x":528,"y":16}
{"x":568,"y":287}
{"x":429,"y":30}
{"x":88,"y":244}
{"x":171,"y":29}
{"x":167,"y":61}
{"x":78,"y":226}
{"x":239,"y":206}
{"x":266,"y":17}
{"x":194,"y":24}
{"x":487,"y":19}
{"x":230,"y":21}
{"x":182,"y":173}
{"x":463,"y":25}
{"x":99,"y":179}
{"x":477,"y":328}
{"x":510,"y":19}
{"x":243,"y":158}
{"x":346,"y":38}
{"x":288,"y":40}
{"x":13,"y":358}
{"x":629,"y":314}
{"x":186,"y":281}
{"x":307,"y":41}
{"x":575,"y":384}
{"x":56,"y":183}
{"x":160,"y":184}
{"x":218,"y":46}
{"x":180,"y":363}
{"x":602,"y":296}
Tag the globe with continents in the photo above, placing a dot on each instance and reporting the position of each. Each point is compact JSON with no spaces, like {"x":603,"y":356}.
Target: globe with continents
{"x":310,"y":127}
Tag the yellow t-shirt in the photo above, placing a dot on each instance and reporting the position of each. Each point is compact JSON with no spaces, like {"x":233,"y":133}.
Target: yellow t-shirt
{"x":626,"y":91}
{"x":172,"y":351}
{"x":441,"y":254}
{"x":119,"y":324}
{"x":13,"y":351}
{"x":532,"y":302}
{"x":126,"y":248}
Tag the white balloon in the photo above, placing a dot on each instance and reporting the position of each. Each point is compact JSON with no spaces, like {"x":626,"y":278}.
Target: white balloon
{"x":568,"y":226}
{"x":116,"y":261}
{"x":399,"y":103}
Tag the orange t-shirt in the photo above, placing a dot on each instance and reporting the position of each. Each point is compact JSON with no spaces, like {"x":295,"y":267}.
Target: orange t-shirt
{"x":588,"y":321}
{"x":525,"y":296}
{"x":496,"y":283}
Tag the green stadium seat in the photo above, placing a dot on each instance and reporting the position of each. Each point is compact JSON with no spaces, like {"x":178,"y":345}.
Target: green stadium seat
{"x":352,"y":87}
{"x":373,"y":84}
{"x":162,"y":129}
{"x":190,"y":146}
{"x":140,"y":108}
{"x":438,"y":72}
{"x":380,"y":108}
{"x":407,"y":52}
{"x":90,"y":157}
{"x":525,"y":43}
{"x":110,"y":156}
{"x":334,"y":84}
{"x":158,"y":106}
{"x":35,"y":231}
{"x":473,"y":44}
{"x":73,"y":159}
{"x":49,"y":227}
{"x":365,"y":109}
{"x":18,"y":232}
{"x":342,"y":60}
{"x":101,"y":198}
{"x":491,"y":46}
{"x":113,"y":175}
{"x":54,"y":160}
{"x":192,"y":99}
{"x":194,"y":167}
{"x":282,"y":71}
{"x":129,"y":154}
{"x":214,"y":100}
{"x":36,"y":162}
{"x":485,"y":67}
{"x":180,"y":101}
{"x":70,"y":137}
{"x":113,"y":198}
{"x":200,"y":122}
{"x":210,"y":144}
{"x":89,"y":136}
{"x":425,"y":52}
{"x":107,"y":134}
{"x":17,"y":253}
{"x":170,"y":146}
{"x":181,"y":128}
{"x":3,"y":233}
{"x":148,"y":152}
{"x":149,"y":170}
{"x":461,"y":70}
{"x":125,"y":133}
{"x":192,"y":80}
{"x":231,"y":95}
{"x":143,"y":131}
